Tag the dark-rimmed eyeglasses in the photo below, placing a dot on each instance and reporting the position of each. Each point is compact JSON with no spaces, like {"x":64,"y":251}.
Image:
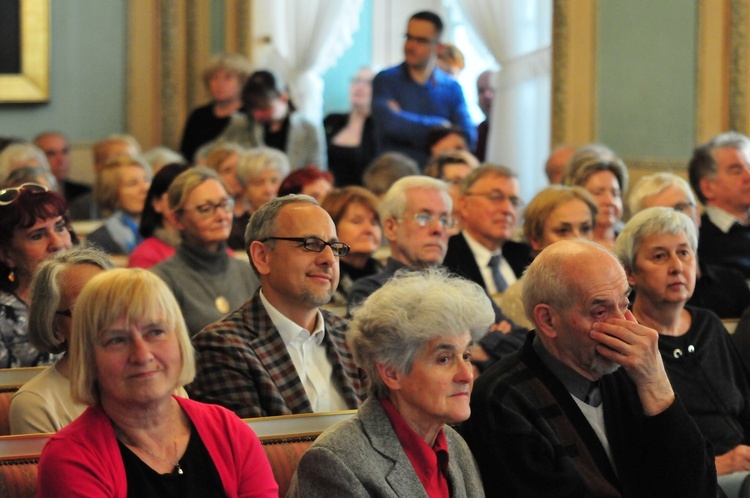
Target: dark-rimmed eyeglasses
{"x":314,"y":244}
{"x":208,"y":210}
{"x":68,"y":312}
{"x":419,"y":39}
{"x":427,"y":219}
{"x":9,"y":195}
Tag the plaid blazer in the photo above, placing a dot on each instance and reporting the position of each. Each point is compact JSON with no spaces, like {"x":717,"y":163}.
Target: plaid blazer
{"x":243,"y":365}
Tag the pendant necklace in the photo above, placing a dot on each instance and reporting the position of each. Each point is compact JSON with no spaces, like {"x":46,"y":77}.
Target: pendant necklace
{"x":176,"y":469}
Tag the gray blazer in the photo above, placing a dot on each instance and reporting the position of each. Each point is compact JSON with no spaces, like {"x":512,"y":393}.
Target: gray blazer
{"x":362,"y":457}
{"x":305,"y":143}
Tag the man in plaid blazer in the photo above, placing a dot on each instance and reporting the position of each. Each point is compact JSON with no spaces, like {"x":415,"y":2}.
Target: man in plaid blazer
{"x":280,"y":353}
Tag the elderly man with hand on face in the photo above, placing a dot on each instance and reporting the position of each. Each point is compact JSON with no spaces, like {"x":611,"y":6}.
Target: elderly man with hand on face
{"x":585,"y":408}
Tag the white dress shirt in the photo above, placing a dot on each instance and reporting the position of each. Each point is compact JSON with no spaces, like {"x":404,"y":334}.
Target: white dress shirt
{"x":482,"y":256}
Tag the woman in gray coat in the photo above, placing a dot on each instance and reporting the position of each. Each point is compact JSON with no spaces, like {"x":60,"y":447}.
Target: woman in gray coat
{"x":413,"y":338}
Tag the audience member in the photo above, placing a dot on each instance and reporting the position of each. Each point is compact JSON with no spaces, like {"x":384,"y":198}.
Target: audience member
{"x":31,"y":174}
{"x":441,"y":139}
{"x":722,"y":290}
{"x":450,"y":59}
{"x":556,"y":213}
{"x":205,"y":279}
{"x":136,"y":438}
{"x":483,"y":252}
{"x":280,"y":353}
{"x":720,"y":175}
{"x":557,"y":163}
{"x":413,"y":338}
{"x":657,"y":249}
{"x":452,"y":166}
{"x":120,"y":190}
{"x":33,"y":226}
{"x":597,"y":169}
{"x":158,"y":157}
{"x":84,"y":207}
{"x":386,"y":170}
{"x":160,"y":234}
{"x":354,"y":211}
{"x":560,"y":417}
{"x":19,"y":155}
{"x":486,"y":93}
{"x":411,"y":98}
{"x":272,"y":121}
{"x":223,"y":78}
{"x":57,"y":149}
{"x":44,"y":403}
{"x":349,"y":136}
{"x":260,"y":172}
{"x":308,"y":181}
{"x":224,"y":157}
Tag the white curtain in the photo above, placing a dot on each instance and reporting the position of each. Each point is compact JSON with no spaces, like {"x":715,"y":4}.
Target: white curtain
{"x":518,"y":34}
{"x":308,"y":38}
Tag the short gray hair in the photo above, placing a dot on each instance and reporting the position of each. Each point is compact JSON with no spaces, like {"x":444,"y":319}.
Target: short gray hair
{"x":703,"y":164}
{"x":394,"y":203}
{"x":592,"y":159}
{"x":547,"y":281}
{"x":485,"y":170}
{"x":255,"y":161}
{"x":262,"y":223}
{"x":655,"y":184}
{"x":411,"y":309}
{"x":187,"y":181}
{"x":655,"y":220}
{"x":19,"y":155}
{"x":46,"y":292}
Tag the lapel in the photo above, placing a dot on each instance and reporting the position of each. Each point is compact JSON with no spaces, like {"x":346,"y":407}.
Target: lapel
{"x":345,"y":371}
{"x":462,"y":259}
{"x":272,"y":353}
{"x":401,"y":477}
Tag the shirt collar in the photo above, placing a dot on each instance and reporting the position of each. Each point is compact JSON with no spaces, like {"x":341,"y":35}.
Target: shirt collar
{"x":722,"y":219}
{"x":289,"y":330}
{"x":575,"y":383}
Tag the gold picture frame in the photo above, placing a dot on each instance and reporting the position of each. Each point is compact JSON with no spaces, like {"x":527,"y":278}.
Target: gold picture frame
{"x":31,"y":85}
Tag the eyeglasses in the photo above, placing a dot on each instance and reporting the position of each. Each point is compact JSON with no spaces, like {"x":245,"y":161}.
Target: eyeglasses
{"x":427,"y":219}
{"x":9,"y":195}
{"x":314,"y":244}
{"x":496,"y":197}
{"x":68,"y":312}
{"x":208,"y":209}
{"x":419,"y":39}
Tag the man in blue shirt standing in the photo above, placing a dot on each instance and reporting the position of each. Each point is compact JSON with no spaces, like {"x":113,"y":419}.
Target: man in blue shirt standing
{"x":415,"y":96}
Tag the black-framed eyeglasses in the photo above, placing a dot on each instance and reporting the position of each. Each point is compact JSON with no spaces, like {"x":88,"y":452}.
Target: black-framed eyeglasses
{"x":9,"y":195}
{"x":427,"y":219}
{"x":314,"y":244}
{"x":208,"y":210}
{"x":419,"y":39}
{"x":497,"y":197}
{"x":68,"y":312}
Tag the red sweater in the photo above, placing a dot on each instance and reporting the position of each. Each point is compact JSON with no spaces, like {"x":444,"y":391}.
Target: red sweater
{"x":83,"y":459}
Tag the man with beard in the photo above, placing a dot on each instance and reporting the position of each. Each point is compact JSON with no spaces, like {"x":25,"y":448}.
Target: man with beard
{"x":585,"y":408}
{"x":280,"y":353}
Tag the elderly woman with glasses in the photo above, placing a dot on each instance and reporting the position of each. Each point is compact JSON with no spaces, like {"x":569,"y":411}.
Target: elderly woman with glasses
{"x":33,"y":226}
{"x":413,"y":338}
{"x":204,"y":277}
{"x":129,"y":352}
{"x":44,"y":404}
{"x":657,"y":249}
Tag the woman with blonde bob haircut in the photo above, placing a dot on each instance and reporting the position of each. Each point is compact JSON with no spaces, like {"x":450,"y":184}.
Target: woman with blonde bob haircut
{"x":413,"y":337}
{"x":131,"y":350}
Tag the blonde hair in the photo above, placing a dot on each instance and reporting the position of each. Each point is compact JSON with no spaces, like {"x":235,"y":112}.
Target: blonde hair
{"x":137,"y":295}
{"x":549,"y":199}
{"x":109,"y":178}
{"x":232,"y":63}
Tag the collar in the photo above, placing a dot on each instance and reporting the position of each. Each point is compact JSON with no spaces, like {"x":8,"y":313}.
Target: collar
{"x":291,"y":332}
{"x":482,"y":255}
{"x":197,"y":257}
{"x":576,"y":384}
{"x":722,"y":219}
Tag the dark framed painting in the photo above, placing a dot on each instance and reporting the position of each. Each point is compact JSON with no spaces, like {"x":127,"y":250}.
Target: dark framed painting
{"x":24,"y":51}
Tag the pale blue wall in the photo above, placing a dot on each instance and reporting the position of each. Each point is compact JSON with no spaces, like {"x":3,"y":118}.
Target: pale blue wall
{"x":87,"y":75}
{"x":336,"y":93}
{"x":646,"y":77}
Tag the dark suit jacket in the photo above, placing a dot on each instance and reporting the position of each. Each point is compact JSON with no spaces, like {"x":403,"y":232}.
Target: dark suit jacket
{"x":362,"y":457}
{"x":243,"y":365}
{"x":459,"y":258}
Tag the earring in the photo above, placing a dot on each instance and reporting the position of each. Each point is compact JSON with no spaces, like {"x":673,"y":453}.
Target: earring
{"x":11,"y":276}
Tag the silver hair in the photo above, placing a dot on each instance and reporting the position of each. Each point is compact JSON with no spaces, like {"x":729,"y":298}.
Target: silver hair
{"x":411,"y":309}
{"x":18,"y":155}
{"x":485,"y":170}
{"x":46,"y":293}
{"x":262,"y":223}
{"x":655,"y":220}
{"x":655,"y":184}
{"x":703,"y":164}
{"x":159,"y":157}
{"x":255,"y":161}
{"x":592,"y":159}
{"x":394,"y":203}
